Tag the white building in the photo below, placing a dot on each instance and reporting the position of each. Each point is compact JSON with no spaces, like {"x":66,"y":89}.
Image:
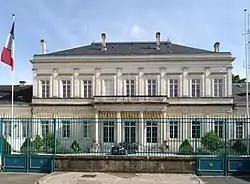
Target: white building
{"x":137,"y":80}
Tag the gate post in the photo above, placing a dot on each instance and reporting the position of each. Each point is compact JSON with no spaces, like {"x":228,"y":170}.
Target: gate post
{"x":52,"y":167}
{"x":1,"y":143}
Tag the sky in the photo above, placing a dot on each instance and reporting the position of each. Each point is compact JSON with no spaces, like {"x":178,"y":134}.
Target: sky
{"x":71,"y":23}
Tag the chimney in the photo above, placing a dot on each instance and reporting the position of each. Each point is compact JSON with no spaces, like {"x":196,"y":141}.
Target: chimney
{"x":22,"y":83}
{"x":43,"y":46}
{"x":158,"y":40}
{"x":104,"y":46}
{"x":217,"y":47}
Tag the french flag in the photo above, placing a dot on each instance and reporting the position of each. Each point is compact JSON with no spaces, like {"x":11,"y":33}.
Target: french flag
{"x":7,"y":55}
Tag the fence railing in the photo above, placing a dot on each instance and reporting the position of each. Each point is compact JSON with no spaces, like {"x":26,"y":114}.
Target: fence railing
{"x":172,"y":136}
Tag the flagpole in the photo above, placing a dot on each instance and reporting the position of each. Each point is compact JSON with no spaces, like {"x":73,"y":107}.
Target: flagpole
{"x":12,"y":83}
{"x":246,"y":61}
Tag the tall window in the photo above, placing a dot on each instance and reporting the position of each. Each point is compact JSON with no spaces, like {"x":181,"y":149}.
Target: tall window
{"x":108,"y":131}
{"x":87,"y":88}
{"x":85,"y":129}
{"x":151,"y":87}
{"x":7,"y":128}
{"x":66,"y":129}
{"x":25,"y":129}
{"x":174,"y":87}
{"x":218,"y":87}
{"x":45,"y":88}
{"x":173,"y":129}
{"x":239,"y":130}
{"x":218,"y":128}
{"x":152,"y":131}
{"x":130,"y":132}
{"x":66,"y":84}
{"x":196,"y":87}
{"x":45,"y":128}
{"x":130,"y":87}
{"x":196,"y":129}
{"x":109,"y":87}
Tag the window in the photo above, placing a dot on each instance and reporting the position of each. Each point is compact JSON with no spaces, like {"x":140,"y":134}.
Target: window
{"x":151,"y":131}
{"x":45,"y":128}
{"x":130,"y":131}
{"x":108,"y":131}
{"x":174,"y":87}
{"x":7,"y":128}
{"x":85,"y":129}
{"x":196,"y":129}
{"x":66,"y":129}
{"x":45,"y":88}
{"x":151,"y":87}
{"x":87,"y":88}
{"x":66,"y":88}
{"x":239,"y":130}
{"x":109,"y":87}
{"x":218,"y":128}
{"x":173,"y":129}
{"x":130,"y":87}
{"x":218,"y":87}
{"x":25,"y":129}
{"x":196,"y":87}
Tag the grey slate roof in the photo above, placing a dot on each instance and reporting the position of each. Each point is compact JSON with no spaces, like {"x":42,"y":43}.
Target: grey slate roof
{"x":22,"y":94}
{"x":131,"y":48}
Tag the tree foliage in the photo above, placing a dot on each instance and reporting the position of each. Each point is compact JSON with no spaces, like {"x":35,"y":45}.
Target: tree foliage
{"x":237,"y":79}
{"x":211,"y":141}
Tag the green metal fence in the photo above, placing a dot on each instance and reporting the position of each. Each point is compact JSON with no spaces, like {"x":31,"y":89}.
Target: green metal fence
{"x":172,"y":136}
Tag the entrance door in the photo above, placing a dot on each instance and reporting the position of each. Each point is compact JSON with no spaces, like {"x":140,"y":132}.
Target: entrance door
{"x":130,"y":135}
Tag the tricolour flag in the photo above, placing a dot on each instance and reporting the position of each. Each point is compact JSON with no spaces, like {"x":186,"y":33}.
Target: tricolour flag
{"x":7,"y":55}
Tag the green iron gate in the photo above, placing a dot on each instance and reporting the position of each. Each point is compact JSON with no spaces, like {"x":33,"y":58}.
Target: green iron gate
{"x":27,"y":159}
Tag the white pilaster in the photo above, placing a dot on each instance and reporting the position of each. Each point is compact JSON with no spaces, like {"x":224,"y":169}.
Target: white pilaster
{"x":97,"y":133}
{"x":185,"y":82}
{"x":55,"y":85}
{"x":76,"y":83}
{"x":141,"y":83}
{"x":164,"y":127}
{"x":142,"y":135}
{"x":50,"y":86}
{"x":119,"y":127}
{"x":163,"y":84}
{"x":207,"y":82}
{"x":97,"y":82}
{"x":119,"y":81}
{"x":35,"y":83}
{"x":229,"y":81}
{"x":72,"y":87}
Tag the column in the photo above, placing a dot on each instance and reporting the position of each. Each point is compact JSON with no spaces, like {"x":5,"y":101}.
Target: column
{"x":142,"y":137}
{"x":97,"y":82}
{"x":55,"y":85}
{"x":119,"y":82}
{"x":164,"y":126}
{"x":185,"y":91}
{"x":207,"y":82}
{"x":50,"y":86}
{"x":141,"y":82}
{"x":229,"y":81}
{"x":97,"y":132}
{"x":35,"y":82}
{"x":119,"y":127}
{"x":76,"y":83}
{"x":163,"y":85}
{"x":72,"y":87}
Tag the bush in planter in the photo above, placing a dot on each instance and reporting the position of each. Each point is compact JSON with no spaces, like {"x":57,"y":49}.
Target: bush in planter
{"x":28,"y":146}
{"x":38,"y":143}
{"x":239,"y":147}
{"x":186,"y":148}
{"x":211,"y":141}
{"x":75,"y":147}
{"x":6,"y":146}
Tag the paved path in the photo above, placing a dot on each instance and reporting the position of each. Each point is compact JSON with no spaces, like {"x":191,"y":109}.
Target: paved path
{"x":99,"y":178}
{"x":225,"y":180}
{"x":19,"y":178}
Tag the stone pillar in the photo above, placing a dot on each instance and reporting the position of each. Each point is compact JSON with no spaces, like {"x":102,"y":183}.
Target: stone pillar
{"x":55,"y":85}
{"x":207,"y":83}
{"x":97,"y":82}
{"x":185,"y":85}
{"x":119,"y":82}
{"x":97,"y":132}
{"x":164,"y":127}
{"x":141,"y":82}
{"x":142,"y":135}
{"x":163,"y":85}
{"x":119,"y":127}
{"x":76,"y":83}
{"x":229,"y":81}
{"x":35,"y":83}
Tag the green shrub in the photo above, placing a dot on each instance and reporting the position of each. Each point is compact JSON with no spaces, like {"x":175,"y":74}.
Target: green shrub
{"x":28,"y":146}
{"x":186,"y":148}
{"x":211,"y":141}
{"x":239,"y":147}
{"x":6,"y":146}
{"x":203,"y":151}
{"x":225,"y":151}
{"x":75,"y":147}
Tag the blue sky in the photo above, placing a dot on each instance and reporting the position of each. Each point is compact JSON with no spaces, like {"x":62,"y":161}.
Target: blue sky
{"x":69,"y":23}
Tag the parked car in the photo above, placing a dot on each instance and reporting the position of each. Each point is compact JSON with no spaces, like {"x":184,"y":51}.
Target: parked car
{"x":124,"y":148}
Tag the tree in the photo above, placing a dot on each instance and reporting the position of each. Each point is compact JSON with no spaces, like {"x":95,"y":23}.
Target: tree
{"x":237,"y":79}
{"x":45,"y":144}
{"x":38,"y":142}
{"x":211,"y":141}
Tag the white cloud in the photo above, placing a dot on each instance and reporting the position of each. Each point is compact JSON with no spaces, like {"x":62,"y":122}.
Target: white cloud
{"x":137,"y":32}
